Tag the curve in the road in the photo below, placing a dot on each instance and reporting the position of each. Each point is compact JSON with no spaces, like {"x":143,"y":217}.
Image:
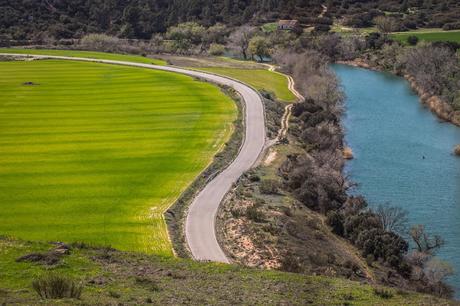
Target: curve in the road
{"x":200,"y":224}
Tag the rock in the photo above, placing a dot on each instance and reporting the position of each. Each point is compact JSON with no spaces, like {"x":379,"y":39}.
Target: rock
{"x":61,"y":249}
{"x":347,"y":153}
{"x":457,"y":150}
{"x":48,"y":259}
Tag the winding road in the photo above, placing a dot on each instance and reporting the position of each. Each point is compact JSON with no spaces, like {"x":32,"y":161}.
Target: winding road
{"x":200,"y":224}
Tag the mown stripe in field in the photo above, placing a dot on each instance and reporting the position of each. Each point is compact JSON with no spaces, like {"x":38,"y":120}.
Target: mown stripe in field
{"x":96,"y":153}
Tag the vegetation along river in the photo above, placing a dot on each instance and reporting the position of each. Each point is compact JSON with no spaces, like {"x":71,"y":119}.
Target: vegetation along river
{"x":403,"y":155}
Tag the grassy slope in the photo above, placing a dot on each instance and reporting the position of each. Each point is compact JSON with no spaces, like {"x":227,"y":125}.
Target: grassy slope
{"x":88,"y":54}
{"x":429,"y":35}
{"x":260,"y":79}
{"x":96,"y":152}
{"x":112,"y":277}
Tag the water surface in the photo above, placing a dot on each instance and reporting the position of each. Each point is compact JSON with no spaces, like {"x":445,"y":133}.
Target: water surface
{"x":403,"y":154}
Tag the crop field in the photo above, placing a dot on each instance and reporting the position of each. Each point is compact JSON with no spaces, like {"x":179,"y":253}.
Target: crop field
{"x":259,"y":79}
{"x":88,"y":54}
{"x":429,"y":35}
{"x":96,"y":153}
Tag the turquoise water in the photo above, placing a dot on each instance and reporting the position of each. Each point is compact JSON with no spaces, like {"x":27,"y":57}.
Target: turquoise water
{"x":403,"y":155}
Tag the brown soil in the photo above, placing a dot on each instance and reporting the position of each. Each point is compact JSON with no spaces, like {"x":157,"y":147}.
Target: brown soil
{"x":287,"y":228}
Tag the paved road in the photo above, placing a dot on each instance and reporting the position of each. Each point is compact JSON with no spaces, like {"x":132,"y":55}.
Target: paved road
{"x":200,"y":223}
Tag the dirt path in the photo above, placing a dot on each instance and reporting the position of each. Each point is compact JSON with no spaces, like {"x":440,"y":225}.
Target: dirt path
{"x":200,"y":224}
{"x":288,"y":109}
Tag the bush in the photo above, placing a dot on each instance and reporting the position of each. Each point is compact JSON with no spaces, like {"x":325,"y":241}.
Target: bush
{"x":269,"y":186}
{"x":291,"y":263}
{"x":55,"y":286}
{"x":322,"y":28}
{"x":383,"y":293}
{"x":100,"y":42}
{"x":451,"y":26}
{"x":254,"y":214}
{"x":335,"y":220}
{"x":216,"y":49}
{"x":412,"y":40}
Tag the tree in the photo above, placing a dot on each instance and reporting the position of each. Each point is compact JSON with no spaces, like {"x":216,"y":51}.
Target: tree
{"x":424,"y":242}
{"x":258,"y":46}
{"x":393,"y":219}
{"x":436,"y":272}
{"x":239,"y":39}
{"x":335,"y":221}
{"x":216,"y":49}
{"x":435,"y":68}
{"x":216,"y":34}
{"x":386,"y":24}
{"x":186,"y":35}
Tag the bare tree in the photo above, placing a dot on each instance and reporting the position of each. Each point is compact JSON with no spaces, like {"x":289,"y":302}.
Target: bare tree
{"x":436,"y":272}
{"x":393,"y":219}
{"x":386,"y":24}
{"x":239,"y":39}
{"x":351,"y":46}
{"x":434,"y":68}
{"x":425,"y":242}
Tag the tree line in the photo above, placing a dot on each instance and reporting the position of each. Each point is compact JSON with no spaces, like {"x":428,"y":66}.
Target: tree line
{"x":140,"y":19}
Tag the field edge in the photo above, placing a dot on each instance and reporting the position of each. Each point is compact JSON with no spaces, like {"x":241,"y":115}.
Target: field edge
{"x":176,"y":214}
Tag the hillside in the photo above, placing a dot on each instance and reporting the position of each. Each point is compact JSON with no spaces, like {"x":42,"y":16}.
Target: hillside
{"x":112,"y":277}
{"x":20,"y":20}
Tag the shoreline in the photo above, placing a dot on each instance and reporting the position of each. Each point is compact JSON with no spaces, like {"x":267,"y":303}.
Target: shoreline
{"x":434,"y":103}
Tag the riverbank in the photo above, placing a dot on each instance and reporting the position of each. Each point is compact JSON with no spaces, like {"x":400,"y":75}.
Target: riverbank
{"x":403,"y":157}
{"x":440,"y":108}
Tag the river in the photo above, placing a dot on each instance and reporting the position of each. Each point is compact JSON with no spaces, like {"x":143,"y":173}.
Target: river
{"x":403,"y":155}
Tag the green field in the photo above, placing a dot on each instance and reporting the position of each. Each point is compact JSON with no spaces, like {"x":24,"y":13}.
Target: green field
{"x":88,"y":54}
{"x":428,"y":35}
{"x":96,"y":153}
{"x":260,"y":79}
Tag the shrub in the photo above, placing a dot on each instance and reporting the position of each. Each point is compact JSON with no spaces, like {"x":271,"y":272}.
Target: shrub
{"x":254,"y":178}
{"x":254,"y":214}
{"x":236,"y":213}
{"x":335,"y":220}
{"x":451,"y":26}
{"x":291,"y":263}
{"x":114,"y":294}
{"x":55,"y":286}
{"x":322,"y":28}
{"x":269,"y":186}
{"x":383,"y":293}
{"x":216,"y":49}
{"x":370,"y":259}
{"x":412,"y":40}
{"x":100,"y":42}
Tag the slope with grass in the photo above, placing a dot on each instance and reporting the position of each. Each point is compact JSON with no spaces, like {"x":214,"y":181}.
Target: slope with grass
{"x":110,"y":277}
{"x":96,"y":153}
{"x":87,"y":54}
{"x":428,"y":35}
{"x":260,"y":79}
